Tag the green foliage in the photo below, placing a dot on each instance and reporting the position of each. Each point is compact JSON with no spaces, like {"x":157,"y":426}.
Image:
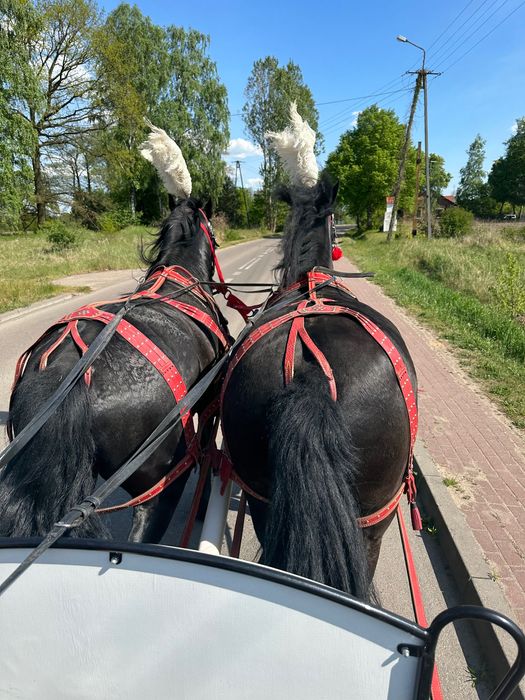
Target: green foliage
{"x":117,"y":219}
{"x":472,"y":177}
{"x":233,"y":203}
{"x":167,"y":75}
{"x":60,"y":236}
{"x":47,"y":88}
{"x":450,"y":284}
{"x":507,"y":177}
{"x":269,"y":91}
{"x":455,"y":222}
{"x":510,"y":287}
{"x":87,"y":208}
{"x":366,"y":162}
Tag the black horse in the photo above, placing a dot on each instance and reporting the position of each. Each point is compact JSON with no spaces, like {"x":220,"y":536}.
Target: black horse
{"x":99,"y":426}
{"x":319,"y":463}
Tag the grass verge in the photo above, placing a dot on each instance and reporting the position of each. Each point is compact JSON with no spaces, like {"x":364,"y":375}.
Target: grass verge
{"x":471,"y":291}
{"x":29,"y":264}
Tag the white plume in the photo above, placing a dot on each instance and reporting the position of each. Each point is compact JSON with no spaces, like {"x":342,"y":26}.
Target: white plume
{"x":295,"y":146}
{"x":168,"y":160}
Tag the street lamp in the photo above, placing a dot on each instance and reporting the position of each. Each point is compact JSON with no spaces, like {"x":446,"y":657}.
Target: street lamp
{"x":404,"y":40}
{"x":423,"y":73}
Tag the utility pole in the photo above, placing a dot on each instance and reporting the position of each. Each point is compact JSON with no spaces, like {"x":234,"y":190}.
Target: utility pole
{"x":238,"y":168}
{"x":416,"y":196}
{"x":404,"y":150}
{"x":423,"y":73}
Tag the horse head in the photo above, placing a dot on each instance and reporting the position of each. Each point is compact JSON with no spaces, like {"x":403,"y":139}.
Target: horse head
{"x":187,"y":237}
{"x":307,"y":240}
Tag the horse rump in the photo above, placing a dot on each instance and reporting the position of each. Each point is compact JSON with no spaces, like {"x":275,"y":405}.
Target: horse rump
{"x":312,"y":527}
{"x":55,"y":470}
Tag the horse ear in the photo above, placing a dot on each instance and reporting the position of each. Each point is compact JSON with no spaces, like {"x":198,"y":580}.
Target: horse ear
{"x":327,"y":193}
{"x":282,"y":193}
{"x":335,"y":190}
{"x":208,"y":209}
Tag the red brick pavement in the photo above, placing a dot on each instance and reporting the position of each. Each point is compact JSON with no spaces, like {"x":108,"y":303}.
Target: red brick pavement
{"x":470,"y":440}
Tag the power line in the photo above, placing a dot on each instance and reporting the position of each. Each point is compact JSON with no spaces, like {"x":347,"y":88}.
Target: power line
{"x":337,"y":127}
{"x":464,"y":39}
{"x":485,"y":36}
{"x":449,"y":38}
{"x":449,"y":25}
{"x":344,"y":113}
{"x":353,"y":99}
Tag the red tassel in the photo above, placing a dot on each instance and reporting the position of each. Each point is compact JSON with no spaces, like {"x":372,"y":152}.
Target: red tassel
{"x":415,"y":516}
{"x":337,"y":252}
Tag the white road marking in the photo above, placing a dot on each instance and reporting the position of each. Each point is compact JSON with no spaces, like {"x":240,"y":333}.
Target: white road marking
{"x":247,"y":265}
{"x":251,"y":264}
{"x":228,"y":279}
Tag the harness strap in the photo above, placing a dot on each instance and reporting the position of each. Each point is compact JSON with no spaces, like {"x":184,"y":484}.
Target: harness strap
{"x":297,"y":329}
{"x":382,"y":513}
{"x":315,"y":306}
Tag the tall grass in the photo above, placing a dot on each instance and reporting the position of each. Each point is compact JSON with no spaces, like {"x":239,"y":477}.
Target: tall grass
{"x":29,"y":262}
{"x":471,"y":291}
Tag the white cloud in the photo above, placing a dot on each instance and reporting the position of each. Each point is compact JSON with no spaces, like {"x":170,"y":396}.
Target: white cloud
{"x":254,"y":183}
{"x":242,"y":148}
{"x":355,"y":115}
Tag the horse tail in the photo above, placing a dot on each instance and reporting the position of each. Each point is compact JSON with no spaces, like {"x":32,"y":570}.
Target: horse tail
{"x":312,"y":527}
{"x":55,"y":470}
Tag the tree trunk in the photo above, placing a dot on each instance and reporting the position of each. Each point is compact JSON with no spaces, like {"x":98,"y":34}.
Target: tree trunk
{"x":39,"y":187}
{"x":369,"y":217}
{"x":133,"y":201}
{"x":88,"y":174}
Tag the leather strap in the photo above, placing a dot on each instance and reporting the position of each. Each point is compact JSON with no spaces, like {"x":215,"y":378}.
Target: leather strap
{"x":314,"y":306}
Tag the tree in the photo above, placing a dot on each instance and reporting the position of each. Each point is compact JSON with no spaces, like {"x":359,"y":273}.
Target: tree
{"x":366,"y":162}
{"x":515,"y":164}
{"x":132,"y":71}
{"x":49,"y":85}
{"x":17,"y":82}
{"x":507,"y":176}
{"x":499,"y":183}
{"x":269,"y":92}
{"x":471,"y":188}
{"x":194,"y":108}
{"x":231,"y":203}
{"x":166,"y":75}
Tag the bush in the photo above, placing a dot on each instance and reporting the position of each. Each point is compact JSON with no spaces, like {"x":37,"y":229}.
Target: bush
{"x":220,"y":225}
{"x":112,"y":221}
{"x":60,"y":236}
{"x":510,"y":288}
{"x":455,"y":222}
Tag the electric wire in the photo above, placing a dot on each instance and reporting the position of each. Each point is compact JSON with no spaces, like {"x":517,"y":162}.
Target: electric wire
{"x":465,"y":39}
{"x":491,"y":31}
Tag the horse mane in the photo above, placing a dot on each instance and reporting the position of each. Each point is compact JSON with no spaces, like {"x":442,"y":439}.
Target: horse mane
{"x":305,"y":243}
{"x":177,"y":230}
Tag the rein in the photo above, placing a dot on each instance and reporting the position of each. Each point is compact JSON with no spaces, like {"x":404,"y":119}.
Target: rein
{"x":88,"y":506}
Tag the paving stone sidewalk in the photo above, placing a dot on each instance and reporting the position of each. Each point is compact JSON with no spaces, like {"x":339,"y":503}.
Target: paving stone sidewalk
{"x":470,"y":441}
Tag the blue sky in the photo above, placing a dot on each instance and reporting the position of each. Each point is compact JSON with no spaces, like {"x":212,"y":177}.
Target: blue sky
{"x":348,"y":50}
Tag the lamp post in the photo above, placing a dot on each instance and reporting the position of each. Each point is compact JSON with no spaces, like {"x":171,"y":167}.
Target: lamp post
{"x":423,"y":73}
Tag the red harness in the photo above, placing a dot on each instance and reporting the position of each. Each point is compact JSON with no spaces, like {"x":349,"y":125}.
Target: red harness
{"x":315,"y":306}
{"x":151,"y":352}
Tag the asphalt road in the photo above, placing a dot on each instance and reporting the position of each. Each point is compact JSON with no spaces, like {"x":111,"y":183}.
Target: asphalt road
{"x":253,"y":262}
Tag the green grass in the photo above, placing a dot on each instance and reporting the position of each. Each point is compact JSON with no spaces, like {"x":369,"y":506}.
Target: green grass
{"x":471,"y":291}
{"x":28,"y":265}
